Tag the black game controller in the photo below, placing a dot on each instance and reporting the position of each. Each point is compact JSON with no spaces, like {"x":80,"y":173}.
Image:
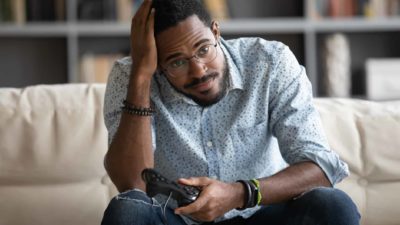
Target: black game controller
{"x":158,"y":184}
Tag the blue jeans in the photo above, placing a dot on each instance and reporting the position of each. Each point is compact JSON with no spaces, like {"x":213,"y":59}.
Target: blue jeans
{"x":320,"y":206}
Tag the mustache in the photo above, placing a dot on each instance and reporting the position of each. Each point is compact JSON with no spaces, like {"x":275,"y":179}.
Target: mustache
{"x":205,"y":78}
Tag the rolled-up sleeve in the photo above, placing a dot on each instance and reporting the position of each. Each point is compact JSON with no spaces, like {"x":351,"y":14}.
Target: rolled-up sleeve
{"x":296,"y":123}
{"x":116,"y":91}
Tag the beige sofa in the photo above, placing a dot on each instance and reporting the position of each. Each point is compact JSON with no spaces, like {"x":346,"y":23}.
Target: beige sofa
{"x":53,"y":139}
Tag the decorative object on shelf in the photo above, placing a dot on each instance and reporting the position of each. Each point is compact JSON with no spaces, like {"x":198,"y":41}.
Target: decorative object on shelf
{"x":383,"y":78}
{"x":336,"y":65}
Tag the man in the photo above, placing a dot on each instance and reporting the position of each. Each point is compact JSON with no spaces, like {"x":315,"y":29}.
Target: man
{"x":234,"y":118}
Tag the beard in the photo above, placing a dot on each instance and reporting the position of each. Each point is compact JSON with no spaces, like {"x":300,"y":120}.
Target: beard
{"x":222,"y":84}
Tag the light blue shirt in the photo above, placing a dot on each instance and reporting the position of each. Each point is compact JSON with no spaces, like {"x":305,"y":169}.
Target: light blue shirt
{"x":266,"y":120}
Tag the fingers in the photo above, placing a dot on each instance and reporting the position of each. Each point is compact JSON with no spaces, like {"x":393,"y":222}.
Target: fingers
{"x":200,"y":202}
{"x":144,"y":19}
{"x":142,"y":40}
{"x":212,"y":201}
{"x":196,"y":181}
{"x":143,"y":12}
{"x":150,"y":24}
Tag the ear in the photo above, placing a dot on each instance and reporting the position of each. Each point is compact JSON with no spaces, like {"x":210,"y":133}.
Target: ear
{"x":215,"y":29}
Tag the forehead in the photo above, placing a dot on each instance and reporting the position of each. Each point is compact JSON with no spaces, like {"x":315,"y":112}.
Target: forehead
{"x":183,"y":36}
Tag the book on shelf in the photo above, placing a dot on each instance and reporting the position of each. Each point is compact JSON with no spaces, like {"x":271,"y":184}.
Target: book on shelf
{"x":95,"y":68}
{"x":18,"y":11}
{"x":41,"y":10}
{"x":22,"y":11}
{"x":97,"y":10}
{"x":13,"y":11}
{"x":394,"y":8}
{"x":350,"y":8}
{"x":342,"y":8}
{"x":60,"y":10}
{"x":384,"y":8}
{"x":217,"y":8}
{"x":125,"y":9}
{"x":383,"y":78}
{"x":5,"y":11}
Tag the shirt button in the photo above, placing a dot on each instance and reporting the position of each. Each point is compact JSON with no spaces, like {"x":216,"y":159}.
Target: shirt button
{"x":209,"y":144}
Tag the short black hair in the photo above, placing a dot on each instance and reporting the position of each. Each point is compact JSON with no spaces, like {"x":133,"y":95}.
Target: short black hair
{"x":170,"y":12}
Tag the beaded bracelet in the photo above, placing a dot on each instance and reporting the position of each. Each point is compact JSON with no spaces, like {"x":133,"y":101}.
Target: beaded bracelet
{"x":134,"y":110}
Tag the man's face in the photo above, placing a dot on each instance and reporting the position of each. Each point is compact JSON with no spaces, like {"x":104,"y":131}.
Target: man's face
{"x":201,"y":77}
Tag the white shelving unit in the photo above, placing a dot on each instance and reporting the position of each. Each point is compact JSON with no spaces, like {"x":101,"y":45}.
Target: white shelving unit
{"x":300,"y":32}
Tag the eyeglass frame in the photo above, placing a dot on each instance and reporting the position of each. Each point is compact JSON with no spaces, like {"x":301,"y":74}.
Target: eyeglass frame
{"x":195,"y":57}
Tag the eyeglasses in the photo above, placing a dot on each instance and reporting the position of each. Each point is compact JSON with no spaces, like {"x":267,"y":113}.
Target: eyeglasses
{"x":180,"y":67}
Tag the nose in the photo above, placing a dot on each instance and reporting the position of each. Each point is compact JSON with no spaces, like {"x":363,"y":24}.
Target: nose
{"x":196,"y":69}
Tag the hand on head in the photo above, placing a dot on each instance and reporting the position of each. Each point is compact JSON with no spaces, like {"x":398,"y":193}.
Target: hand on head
{"x":143,"y":44}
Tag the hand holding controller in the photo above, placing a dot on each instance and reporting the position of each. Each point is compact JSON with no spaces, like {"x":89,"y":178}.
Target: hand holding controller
{"x":158,"y":184}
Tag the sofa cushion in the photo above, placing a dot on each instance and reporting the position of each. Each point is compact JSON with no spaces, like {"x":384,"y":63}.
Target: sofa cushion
{"x":52,"y":145}
{"x":367,"y":136}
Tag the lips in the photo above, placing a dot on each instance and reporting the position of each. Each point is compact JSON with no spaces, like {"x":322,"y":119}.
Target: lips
{"x":203,"y":83}
{"x":203,"y":86}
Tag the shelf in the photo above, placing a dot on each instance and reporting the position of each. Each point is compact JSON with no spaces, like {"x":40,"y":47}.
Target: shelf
{"x":256,"y":26}
{"x":233,"y":26}
{"x":296,"y":25}
{"x":34,"y":29}
{"x":63,"y":29}
{"x":102,"y":29}
{"x":354,"y":24}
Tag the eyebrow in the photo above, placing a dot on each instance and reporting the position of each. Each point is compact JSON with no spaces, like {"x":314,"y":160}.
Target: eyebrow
{"x":196,"y":45}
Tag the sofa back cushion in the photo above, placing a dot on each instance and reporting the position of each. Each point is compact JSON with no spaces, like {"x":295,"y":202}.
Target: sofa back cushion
{"x":367,"y":136}
{"x":52,"y":144}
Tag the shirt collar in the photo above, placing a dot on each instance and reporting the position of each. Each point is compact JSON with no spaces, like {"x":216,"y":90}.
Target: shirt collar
{"x":235,"y":78}
{"x":169,"y":94}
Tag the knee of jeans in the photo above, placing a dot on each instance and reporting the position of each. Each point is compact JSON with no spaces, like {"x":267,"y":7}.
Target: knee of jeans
{"x":134,"y":194}
{"x":133,"y":205}
{"x":330,"y":199}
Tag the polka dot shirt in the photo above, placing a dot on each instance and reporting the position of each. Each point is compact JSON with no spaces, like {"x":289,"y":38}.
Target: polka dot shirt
{"x":265,"y":122}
